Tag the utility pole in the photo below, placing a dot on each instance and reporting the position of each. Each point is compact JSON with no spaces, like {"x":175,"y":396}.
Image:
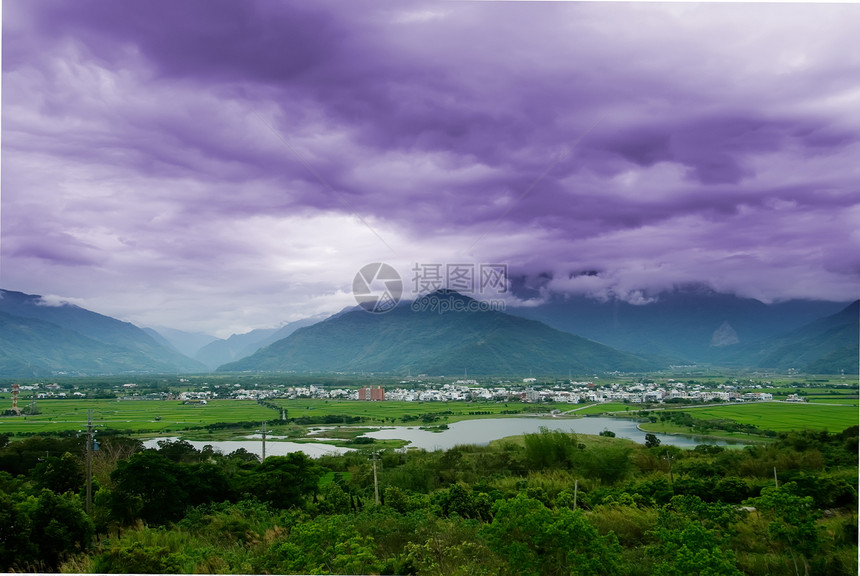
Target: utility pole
{"x":669,"y":459}
{"x":89,"y":504}
{"x":575,"y":492}
{"x":375,"y":480}
{"x":775,"y":479}
{"x":264,"y":440}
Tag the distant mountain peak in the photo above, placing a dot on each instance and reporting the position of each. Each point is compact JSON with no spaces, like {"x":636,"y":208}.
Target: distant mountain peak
{"x":444,"y":301}
{"x":43,"y":336}
{"x":446,"y":293}
{"x":36,"y":299}
{"x":433,"y":338}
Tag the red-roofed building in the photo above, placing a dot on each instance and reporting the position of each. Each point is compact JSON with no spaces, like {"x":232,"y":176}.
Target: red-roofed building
{"x":376,"y":393}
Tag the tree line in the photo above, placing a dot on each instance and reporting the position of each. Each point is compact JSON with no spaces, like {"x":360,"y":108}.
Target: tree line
{"x":553,"y":503}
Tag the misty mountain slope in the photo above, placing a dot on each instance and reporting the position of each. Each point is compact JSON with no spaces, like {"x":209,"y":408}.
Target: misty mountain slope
{"x":159,"y":339}
{"x":187,"y":343}
{"x":239,"y":346}
{"x":689,"y":324}
{"x":222,"y":351}
{"x":825,"y":346}
{"x":31,"y":348}
{"x":99,"y":328}
{"x":428,"y":342}
{"x":81,"y":320}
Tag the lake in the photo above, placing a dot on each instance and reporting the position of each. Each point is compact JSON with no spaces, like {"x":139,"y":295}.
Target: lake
{"x":480,"y":432}
{"x":484,"y":431}
{"x":273,"y":448}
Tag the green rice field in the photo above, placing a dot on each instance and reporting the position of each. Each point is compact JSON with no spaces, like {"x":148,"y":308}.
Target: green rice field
{"x":840,"y":401}
{"x":605,"y":407}
{"x":138,"y":416}
{"x":162,"y":416}
{"x":783,"y":417}
{"x":391,"y":411}
{"x":152,"y":417}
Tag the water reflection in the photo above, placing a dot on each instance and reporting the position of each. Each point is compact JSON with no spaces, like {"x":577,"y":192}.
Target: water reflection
{"x":480,"y":432}
{"x":484,"y":431}
{"x":256,"y":447}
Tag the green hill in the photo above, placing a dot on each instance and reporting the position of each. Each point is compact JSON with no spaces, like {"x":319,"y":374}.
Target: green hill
{"x":37,"y":339}
{"x":429,"y":342}
{"x":31,"y":348}
{"x":689,"y":324}
{"x":826,"y":346}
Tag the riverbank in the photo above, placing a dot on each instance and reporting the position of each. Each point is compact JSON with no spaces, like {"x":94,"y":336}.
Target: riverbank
{"x":479,"y":432}
{"x":672,"y":429}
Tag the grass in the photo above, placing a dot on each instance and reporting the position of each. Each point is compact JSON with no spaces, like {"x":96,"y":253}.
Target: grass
{"x":160,"y":417}
{"x":671,"y":428}
{"x":778,"y":416}
{"x":589,"y":440}
{"x":830,"y":400}
{"x":341,"y":433}
{"x":393,"y":412}
{"x":139,"y":416}
{"x":329,"y":477}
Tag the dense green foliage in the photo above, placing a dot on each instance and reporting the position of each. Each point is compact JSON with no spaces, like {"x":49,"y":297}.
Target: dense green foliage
{"x":555,"y":504}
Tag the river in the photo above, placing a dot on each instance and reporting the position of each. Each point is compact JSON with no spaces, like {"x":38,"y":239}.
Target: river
{"x":255,"y":446}
{"x":480,"y":432}
{"x":484,"y":431}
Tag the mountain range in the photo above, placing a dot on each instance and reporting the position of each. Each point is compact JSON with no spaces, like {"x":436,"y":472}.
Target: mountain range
{"x":237,"y":346}
{"x":438,"y":343}
{"x":39,"y":339}
{"x":690,"y":325}
{"x":826,"y":346}
{"x":685,"y":327}
{"x":187,"y":343}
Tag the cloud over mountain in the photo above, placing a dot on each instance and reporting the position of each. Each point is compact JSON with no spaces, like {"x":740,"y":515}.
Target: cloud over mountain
{"x":168,"y":159}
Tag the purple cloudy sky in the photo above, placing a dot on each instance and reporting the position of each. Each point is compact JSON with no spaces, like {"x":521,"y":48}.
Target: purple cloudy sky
{"x":223,"y":165}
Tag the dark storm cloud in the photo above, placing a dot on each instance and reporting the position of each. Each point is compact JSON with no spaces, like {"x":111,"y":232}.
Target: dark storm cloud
{"x":218,"y":40}
{"x":653,"y":144}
